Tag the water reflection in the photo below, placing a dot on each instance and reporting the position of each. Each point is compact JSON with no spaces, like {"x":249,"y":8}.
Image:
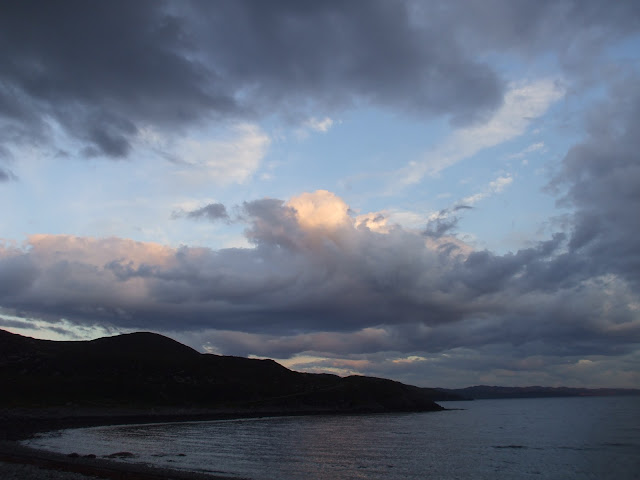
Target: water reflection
{"x":574,"y":438}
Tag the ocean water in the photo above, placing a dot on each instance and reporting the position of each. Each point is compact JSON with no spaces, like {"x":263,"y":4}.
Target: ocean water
{"x":553,"y":438}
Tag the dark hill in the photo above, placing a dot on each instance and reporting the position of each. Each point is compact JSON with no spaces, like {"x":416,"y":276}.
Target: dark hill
{"x":147,"y":370}
{"x":138,"y":344}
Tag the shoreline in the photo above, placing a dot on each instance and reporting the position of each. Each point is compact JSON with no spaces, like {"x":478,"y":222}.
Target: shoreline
{"x":18,"y":424}
{"x":21,"y":424}
{"x":45,"y":461}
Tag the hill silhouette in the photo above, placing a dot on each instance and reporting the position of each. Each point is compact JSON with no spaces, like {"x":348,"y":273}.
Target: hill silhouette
{"x":147,"y":370}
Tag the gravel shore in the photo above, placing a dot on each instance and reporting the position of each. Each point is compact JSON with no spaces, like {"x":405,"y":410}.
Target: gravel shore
{"x":23,"y":463}
{"x":20,"y":462}
{"x":17,"y":471}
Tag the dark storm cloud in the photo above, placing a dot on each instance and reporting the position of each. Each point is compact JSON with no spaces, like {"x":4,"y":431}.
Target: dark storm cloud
{"x":572,"y":322}
{"x":600,"y":178}
{"x":337,"y":52}
{"x":105,"y":70}
{"x":17,"y":273}
{"x":101,"y":70}
{"x":577,"y":31}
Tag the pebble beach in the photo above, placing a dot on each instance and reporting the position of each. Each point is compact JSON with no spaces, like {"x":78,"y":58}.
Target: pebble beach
{"x":17,"y":471}
{"x":22,"y":463}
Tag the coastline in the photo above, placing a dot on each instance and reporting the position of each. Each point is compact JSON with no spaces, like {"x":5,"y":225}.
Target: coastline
{"x":40,"y":463}
{"x":17,"y":424}
{"x":22,"y":462}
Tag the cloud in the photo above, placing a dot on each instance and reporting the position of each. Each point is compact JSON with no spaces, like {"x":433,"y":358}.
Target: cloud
{"x":212,"y":212}
{"x":99,"y":71}
{"x":489,"y":365}
{"x":190,"y":82}
{"x":320,"y":209}
{"x":374,"y":221}
{"x":441,"y":225}
{"x":599,"y":179}
{"x":314,"y":124}
{"x":320,"y":282}
{"x":225,"y":161}
{"x":534,"y":147}
{"x":577,"y":33}
{"x":6,"y":175}
{"x":522,"y":104}
{"x":232,"y":155}
{"x":319,"y":125}
{"x":102,"y":73}
{"x":494,"y":187}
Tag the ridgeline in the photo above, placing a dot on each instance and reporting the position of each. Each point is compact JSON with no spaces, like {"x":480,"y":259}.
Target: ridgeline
{"x":149,"y":371}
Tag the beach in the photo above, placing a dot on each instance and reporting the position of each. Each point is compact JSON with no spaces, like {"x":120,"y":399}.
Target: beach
{"x":16,"y":471}
{"x":23,"y":463}
{"x":19,"y":461}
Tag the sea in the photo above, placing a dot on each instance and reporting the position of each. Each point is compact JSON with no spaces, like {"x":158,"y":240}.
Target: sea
{"x":545,"y":438}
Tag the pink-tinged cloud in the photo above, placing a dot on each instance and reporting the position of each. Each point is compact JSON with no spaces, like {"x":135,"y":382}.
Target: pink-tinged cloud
{"x":319,"y":281}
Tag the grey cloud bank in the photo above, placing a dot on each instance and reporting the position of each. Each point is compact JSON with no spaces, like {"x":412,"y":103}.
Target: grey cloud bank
{"x":413,"y":305}
{"x":602,"y":178}
{"x":333,"y":289}
{"x":103,"y":72}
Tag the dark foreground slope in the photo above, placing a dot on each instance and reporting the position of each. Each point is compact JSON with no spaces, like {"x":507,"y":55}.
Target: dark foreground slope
{"x":147,"y":370}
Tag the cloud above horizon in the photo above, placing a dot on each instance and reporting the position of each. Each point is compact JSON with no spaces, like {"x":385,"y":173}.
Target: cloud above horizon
{"x":317,"y":281}
{"x":395,"y":188}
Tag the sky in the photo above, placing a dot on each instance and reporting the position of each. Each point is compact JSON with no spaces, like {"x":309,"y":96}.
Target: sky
{"x":445,"y":193}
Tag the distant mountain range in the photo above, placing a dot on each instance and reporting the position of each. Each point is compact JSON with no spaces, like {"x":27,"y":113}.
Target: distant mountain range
{"x":147,"y":370}
{"x":486,"y":392}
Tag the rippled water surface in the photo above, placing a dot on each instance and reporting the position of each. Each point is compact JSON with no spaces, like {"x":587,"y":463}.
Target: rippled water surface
{"x":556,"y":438}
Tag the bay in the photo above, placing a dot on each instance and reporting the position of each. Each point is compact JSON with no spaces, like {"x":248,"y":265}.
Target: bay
{"x":550,"y":438}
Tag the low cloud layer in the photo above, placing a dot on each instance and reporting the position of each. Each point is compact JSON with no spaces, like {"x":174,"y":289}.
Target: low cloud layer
{"x":318,"y":281}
